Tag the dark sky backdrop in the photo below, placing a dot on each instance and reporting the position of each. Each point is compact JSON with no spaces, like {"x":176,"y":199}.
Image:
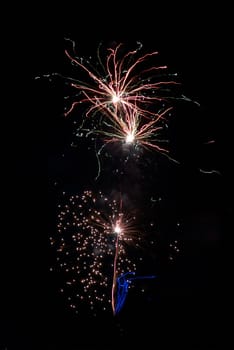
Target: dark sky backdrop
{"x":186,"y":307}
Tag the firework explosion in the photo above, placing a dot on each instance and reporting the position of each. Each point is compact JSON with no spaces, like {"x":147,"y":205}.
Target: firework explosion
{"x":121,"y":83}
{"x":124,"y":99}
{"x":121,"y":96}
{"x":92,"y":242}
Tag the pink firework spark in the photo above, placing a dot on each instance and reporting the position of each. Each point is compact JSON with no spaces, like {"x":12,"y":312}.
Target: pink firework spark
{"x":132,"y":128}
{"x":125,"y":84}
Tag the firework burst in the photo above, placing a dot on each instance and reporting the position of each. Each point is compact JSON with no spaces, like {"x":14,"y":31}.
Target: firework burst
{"x":92,"y":243}
{"x":119,"y":83}
{"x":133,"y":129}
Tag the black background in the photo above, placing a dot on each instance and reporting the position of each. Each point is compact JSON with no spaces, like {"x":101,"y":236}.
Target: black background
{"x":187,"y":309}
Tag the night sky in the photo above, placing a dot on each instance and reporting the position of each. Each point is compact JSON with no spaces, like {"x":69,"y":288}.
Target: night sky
{"x":184,"y":305}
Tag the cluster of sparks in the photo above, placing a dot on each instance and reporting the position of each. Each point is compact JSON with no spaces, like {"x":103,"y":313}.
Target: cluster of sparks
{"x":92,"y":240}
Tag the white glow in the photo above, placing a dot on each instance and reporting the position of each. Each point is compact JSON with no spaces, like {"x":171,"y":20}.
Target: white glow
{"x":115,"y":99}
{"x":129,"y":138}
{"x":117,"y":229}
